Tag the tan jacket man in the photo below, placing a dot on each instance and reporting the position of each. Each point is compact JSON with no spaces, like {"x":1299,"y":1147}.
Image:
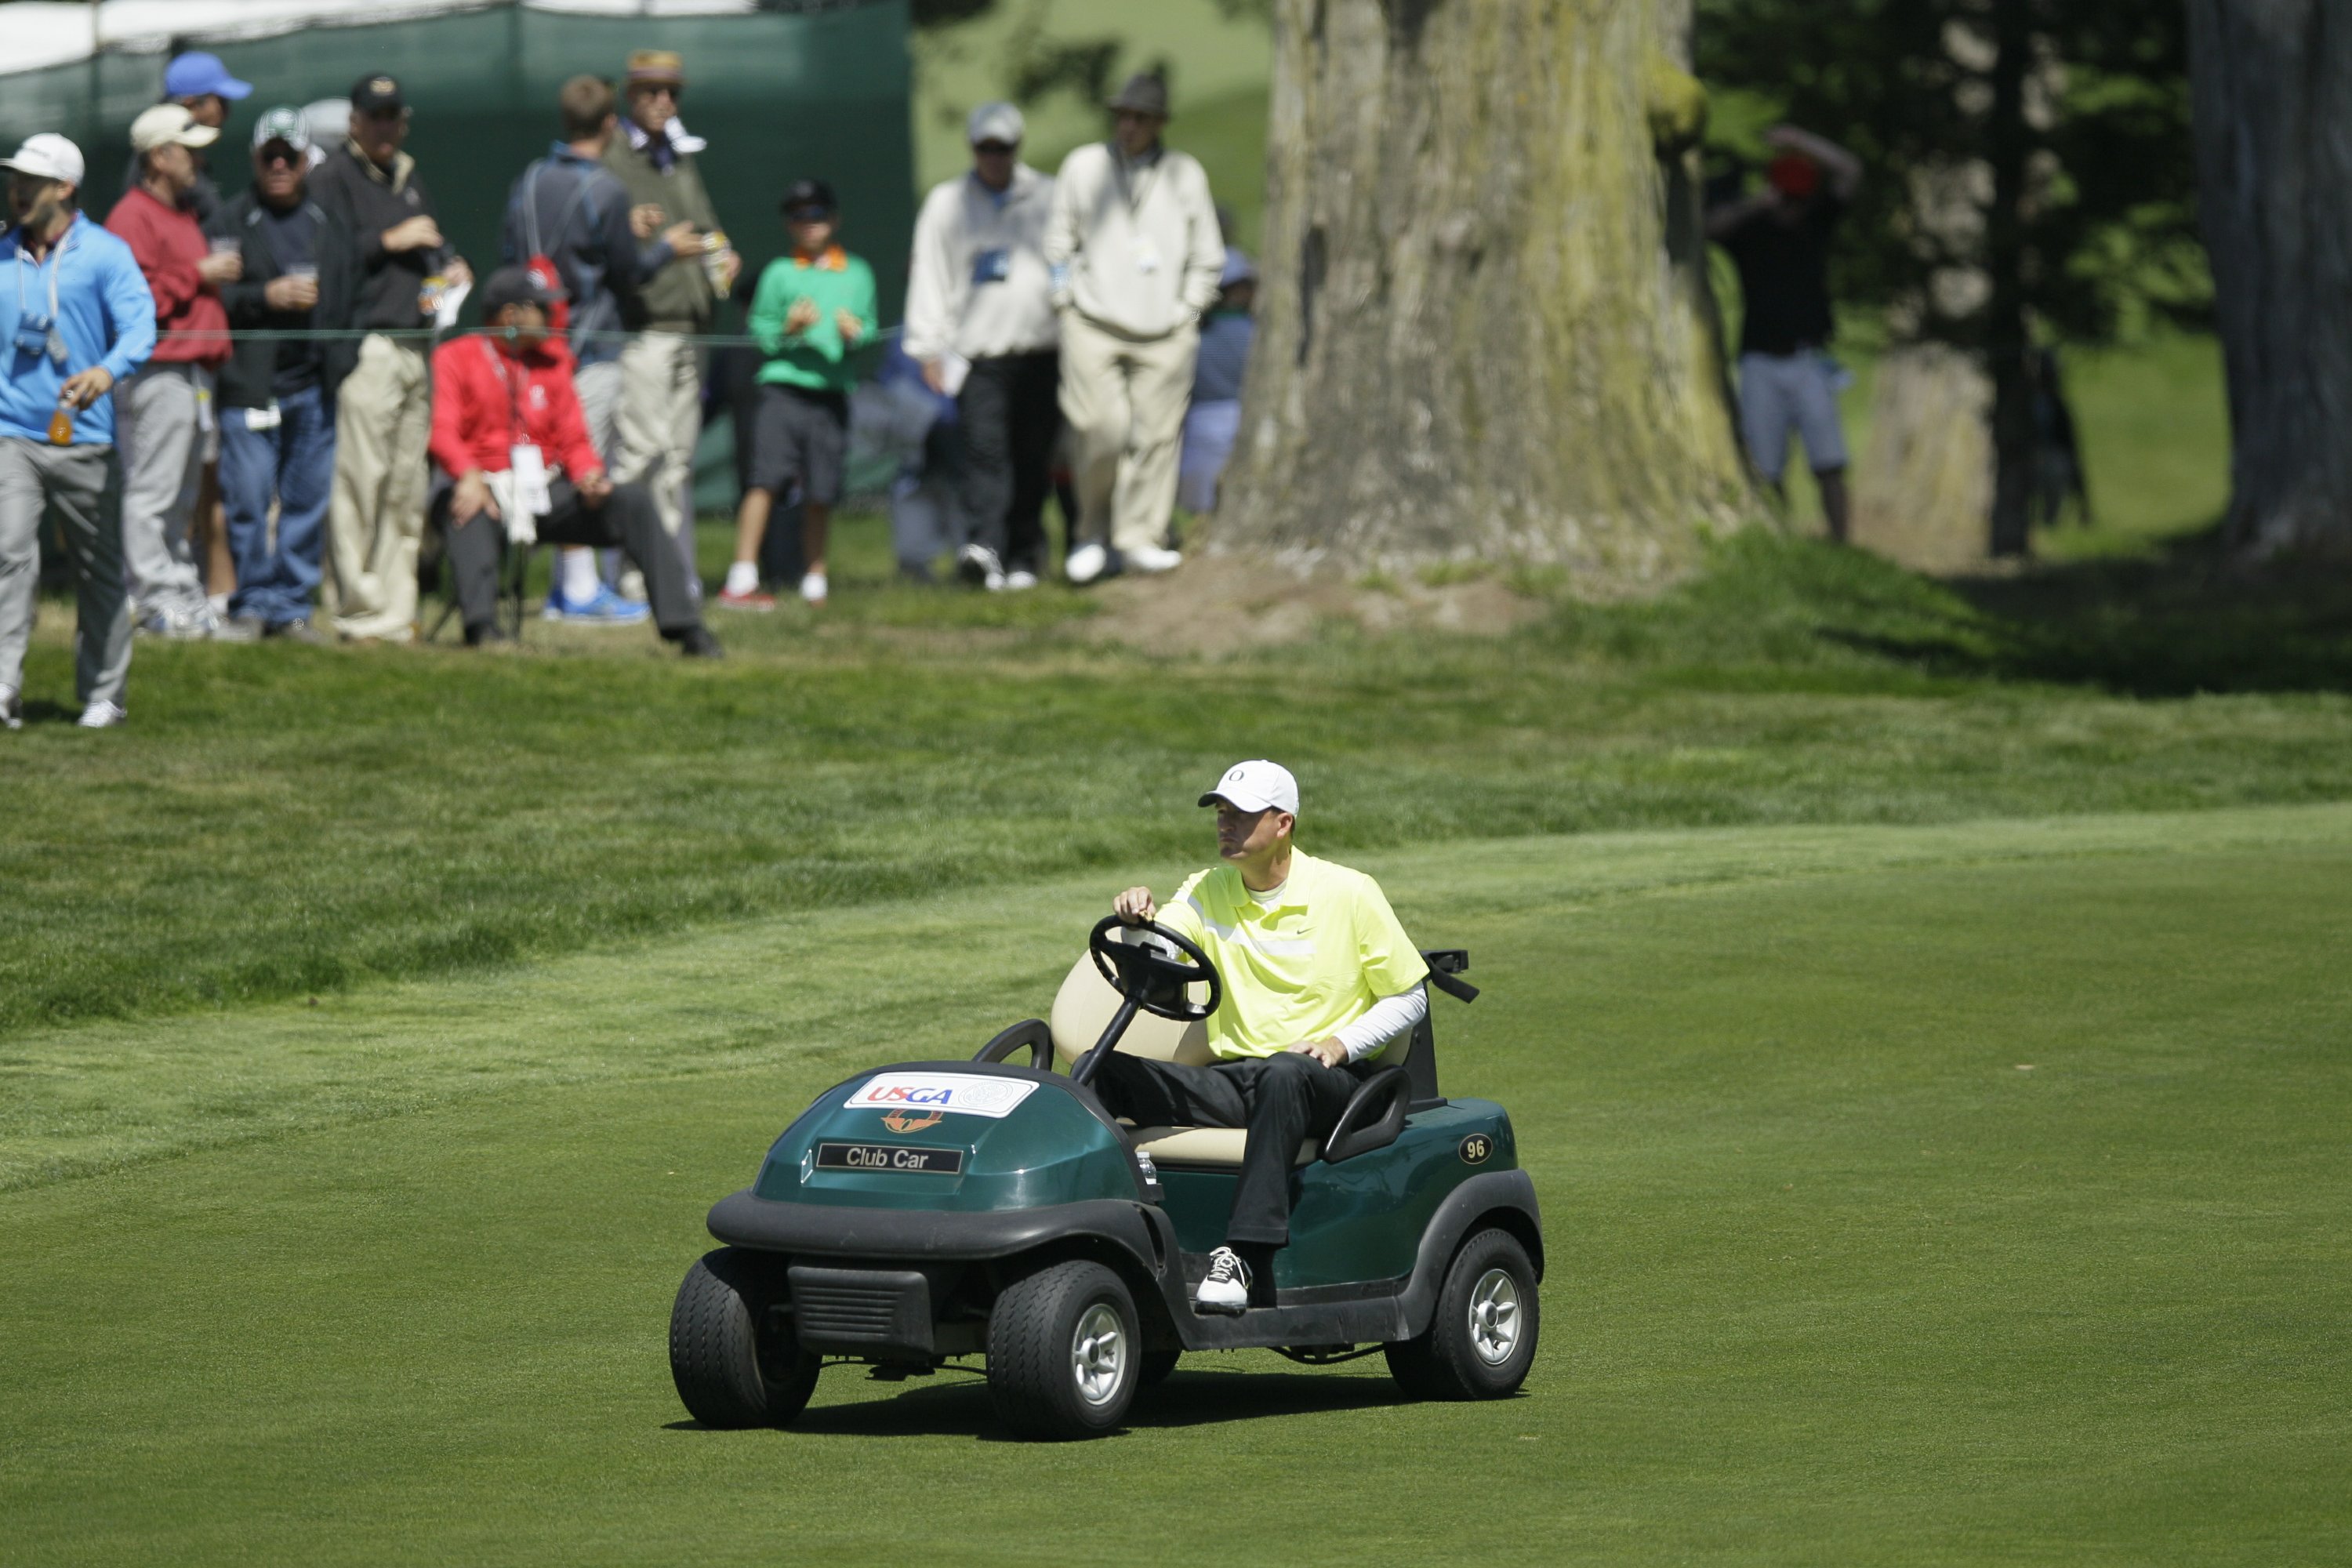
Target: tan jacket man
{"x":1135,"y":247}
{"x":661,"y":369}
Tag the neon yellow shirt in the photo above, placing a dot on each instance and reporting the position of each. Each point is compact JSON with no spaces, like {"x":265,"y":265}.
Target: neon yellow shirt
{"x":1303,"y":970}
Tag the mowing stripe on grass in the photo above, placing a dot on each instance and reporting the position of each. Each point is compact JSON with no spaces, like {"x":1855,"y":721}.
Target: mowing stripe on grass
{"x":922,"y":978}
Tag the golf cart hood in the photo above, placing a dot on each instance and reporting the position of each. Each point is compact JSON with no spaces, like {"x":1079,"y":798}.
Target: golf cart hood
{"x":952,"y":1137}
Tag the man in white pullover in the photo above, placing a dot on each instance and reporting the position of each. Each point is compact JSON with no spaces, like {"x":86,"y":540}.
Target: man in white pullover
{"x":980,"y":321}
{"x":1318,"y":978}
{"x":1136,"y":251}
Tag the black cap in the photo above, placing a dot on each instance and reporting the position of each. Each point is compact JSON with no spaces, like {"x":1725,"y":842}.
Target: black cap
{"x":373,"y":93}
{"x":514,"y":286}
{"x":810,"y":196}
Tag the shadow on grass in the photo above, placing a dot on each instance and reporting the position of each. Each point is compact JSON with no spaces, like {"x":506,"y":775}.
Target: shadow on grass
{"x":962,"y":1408}
{"x":2194,"y":617}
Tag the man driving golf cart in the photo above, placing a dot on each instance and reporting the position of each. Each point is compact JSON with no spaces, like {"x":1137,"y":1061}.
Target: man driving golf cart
{"x":1319,"y":979}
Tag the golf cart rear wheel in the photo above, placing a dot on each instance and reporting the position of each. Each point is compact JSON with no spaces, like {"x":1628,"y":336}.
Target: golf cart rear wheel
{"x":1482,"y":1339}
{"x":732,"y":1370}
{"x":1063,"y":1356}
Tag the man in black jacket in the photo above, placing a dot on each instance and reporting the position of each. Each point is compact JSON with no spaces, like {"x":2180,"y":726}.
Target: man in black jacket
{"x":384,"y":270}
{"x":277,"y":419}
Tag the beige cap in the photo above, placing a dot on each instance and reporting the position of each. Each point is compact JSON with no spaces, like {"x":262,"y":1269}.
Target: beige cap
{"x":656,"y":65}
{"x":167,"y":123}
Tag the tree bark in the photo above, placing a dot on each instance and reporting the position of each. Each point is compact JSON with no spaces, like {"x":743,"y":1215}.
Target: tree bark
{"x":1924,"y":483}
{"x":2009,"y":140}
{"x":2272,"y":94}
{"x":1485,"y":329}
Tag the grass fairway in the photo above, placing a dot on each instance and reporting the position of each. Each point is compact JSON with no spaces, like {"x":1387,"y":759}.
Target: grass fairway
{"x":1972,"y":1193}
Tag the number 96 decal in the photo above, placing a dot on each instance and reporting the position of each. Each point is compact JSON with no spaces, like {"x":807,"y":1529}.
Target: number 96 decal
{"x":1478,"y":1148}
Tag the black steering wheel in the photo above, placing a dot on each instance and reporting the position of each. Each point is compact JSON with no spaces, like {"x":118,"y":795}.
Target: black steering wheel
{"x":1145,"y":976}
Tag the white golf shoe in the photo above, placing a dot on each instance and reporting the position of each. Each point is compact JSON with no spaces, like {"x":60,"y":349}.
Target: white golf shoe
{"x":12,"y":709}
{"x":1086,"y":563}
{"x":1151,"y":562}
{"x":1225,"y":1288}
{"x":101,"y":715}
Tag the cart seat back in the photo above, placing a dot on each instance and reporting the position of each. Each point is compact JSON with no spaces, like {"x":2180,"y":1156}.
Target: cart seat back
{"x":1082,"y":1010}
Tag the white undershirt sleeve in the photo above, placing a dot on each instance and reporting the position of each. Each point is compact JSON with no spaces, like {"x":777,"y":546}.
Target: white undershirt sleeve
{"x":1386,"y":1021}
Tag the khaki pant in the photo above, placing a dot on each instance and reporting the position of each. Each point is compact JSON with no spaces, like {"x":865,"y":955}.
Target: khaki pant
{"x":160,"y":413}
{"x":658,"y":426}
{"x":1124,"y":399}
{"x":384,"y":415}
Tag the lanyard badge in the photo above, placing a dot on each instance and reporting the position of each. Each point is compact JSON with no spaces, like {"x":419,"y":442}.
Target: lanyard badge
{"x":36,"y":333}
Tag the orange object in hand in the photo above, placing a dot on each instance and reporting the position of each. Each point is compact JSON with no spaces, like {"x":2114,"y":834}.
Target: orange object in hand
{"x":61,"y":427}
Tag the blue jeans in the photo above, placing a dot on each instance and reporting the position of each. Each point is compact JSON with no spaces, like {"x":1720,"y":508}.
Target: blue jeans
{"x":296,"y":462}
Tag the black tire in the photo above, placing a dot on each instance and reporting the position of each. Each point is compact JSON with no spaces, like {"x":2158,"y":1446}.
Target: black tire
{"x":730,"y":1371}
{"x":1456,"y":1359}
{"x":1159,"y":1366}
{"x":1037,"y":1330}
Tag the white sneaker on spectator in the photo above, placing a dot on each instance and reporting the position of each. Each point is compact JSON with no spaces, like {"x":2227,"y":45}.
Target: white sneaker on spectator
{"x":1086,"y":563}
{"x":813,"y":588}
{"x":176,"y":625}
{"x":1018,"y":579}
{"x":1151,"y":562}
{"x":977,"y":564}
{"x":101,"y":715}
{"x":12,"y":709}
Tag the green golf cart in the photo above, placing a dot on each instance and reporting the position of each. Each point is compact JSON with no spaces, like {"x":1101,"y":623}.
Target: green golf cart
{"x":927,"y":1211}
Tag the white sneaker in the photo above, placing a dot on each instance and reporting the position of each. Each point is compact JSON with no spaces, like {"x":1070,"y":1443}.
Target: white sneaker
{"x":1225,"y":1288}
{"x":813,"y":587}
{"x":1017,"y":580}
{"x":12,"y":709}
{"x":977,"y":564}
{"x":1150,"y":563}
{"x":1086,"y":563}
{"x":101,"y":715}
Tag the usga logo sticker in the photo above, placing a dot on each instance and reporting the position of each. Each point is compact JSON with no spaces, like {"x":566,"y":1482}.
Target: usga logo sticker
{"x":967,"y":1094}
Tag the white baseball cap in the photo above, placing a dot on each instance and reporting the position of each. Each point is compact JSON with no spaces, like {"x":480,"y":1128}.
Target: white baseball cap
{"x":47,"y":156}
{"x":1256,"y":785}
{"x":993,"y":122}
{"x":166,"y":123}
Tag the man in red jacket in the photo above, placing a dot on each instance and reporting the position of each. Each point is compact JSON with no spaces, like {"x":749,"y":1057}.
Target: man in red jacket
{"x":163,"y":414}
{"x":506,"y":428}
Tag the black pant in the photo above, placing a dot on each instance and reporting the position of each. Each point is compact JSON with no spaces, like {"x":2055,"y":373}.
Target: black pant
{"x":1010,"y":412}
{"x":627,"y":518}
{"x":1282,"y":1100}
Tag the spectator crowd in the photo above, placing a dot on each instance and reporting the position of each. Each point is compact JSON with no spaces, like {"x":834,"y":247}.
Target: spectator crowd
{"x":282,"y":359}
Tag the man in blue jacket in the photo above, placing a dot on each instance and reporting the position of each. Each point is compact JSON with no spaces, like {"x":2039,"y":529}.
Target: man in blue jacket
{"x":75,"y":318}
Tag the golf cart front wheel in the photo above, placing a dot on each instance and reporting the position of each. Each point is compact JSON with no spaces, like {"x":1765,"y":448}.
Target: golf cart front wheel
{"x":1063,"y":1356}
{"x":731,"y":1368}
{"x":1482,"y":1339}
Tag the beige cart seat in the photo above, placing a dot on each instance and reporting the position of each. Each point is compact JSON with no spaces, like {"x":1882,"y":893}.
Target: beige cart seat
{"x":1082,"y":1009}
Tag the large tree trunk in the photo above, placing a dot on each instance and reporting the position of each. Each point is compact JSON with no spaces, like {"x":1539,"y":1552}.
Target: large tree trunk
{"x":1484,"y":329}
{"x":2273,"y":84}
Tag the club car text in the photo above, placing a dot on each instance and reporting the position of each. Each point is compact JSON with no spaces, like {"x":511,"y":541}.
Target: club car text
{"x":888,"y":1157}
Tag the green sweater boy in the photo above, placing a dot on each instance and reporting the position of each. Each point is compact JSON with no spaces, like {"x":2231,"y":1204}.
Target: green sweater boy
{"x":797,"y":318}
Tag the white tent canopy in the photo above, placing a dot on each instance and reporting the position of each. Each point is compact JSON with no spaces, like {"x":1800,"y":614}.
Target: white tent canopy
{"x":37,"y":35}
